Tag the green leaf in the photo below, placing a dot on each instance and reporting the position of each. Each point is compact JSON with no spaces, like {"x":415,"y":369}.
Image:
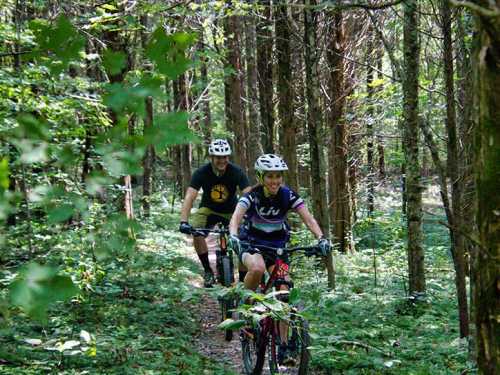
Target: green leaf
{"x":36,"y":287}
{"x":231,"y":324}
{"x":60,"y":213}
{"x":4,"y":173}
{"x":31,"y":127}
{"x":168,"y":52}
{"x":114,"y":61}
{"x":171,"y":129}
{"x":294,"y":296}
{"x":59,"y":43}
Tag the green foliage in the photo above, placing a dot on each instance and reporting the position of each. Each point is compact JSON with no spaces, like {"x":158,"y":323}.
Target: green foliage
{"x":36,"y":287}
{"x":114,"y":61}
{"x":368,"y":328}
{"x":135,"y":313}
{"x":168,"y":52}
{"x":58,"y":43}
{"x":171,"y":129}
{"x":4,"y":174}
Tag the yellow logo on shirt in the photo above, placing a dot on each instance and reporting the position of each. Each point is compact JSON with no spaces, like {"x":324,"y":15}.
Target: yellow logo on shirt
{"x":219,"y":193}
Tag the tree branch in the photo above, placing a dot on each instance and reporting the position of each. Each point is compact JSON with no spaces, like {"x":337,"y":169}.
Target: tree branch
{"x":495,"y":12}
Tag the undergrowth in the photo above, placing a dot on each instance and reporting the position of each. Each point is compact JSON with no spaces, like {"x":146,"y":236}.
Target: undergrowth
{"x":137,"y":309}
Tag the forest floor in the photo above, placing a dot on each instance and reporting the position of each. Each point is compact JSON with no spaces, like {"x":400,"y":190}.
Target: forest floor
{"x":146,"y":313}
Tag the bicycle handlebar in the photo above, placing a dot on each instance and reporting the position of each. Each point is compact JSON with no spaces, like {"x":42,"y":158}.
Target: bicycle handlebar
{"x":206,"y":231}
{"x":309,"y":250}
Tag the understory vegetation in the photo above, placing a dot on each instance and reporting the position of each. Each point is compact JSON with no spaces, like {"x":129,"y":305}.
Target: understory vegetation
{"x":138,"y":313}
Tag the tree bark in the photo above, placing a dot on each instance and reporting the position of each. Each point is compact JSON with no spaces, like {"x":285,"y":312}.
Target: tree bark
{"x":285,"y":94}
{"x":147,"y":163}
{"x":265,"y":73}
{"x":487,"y":159}
{"x":369,"y":124}
{"x":411,"y":48}
{"x":118,"y":43}
{"x":457,"y":240}
{"x":181,"y":103}
{"x":254,"y":124}
{"x":340,"y":203}
{"x":466,"y":132}
{"x":314,"y":122}
{"x":235,"y":90}
{"x":206,"y":123}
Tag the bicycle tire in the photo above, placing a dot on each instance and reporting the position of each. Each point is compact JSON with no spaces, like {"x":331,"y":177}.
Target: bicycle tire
{"x":227,"y":303}
{"x":251,"y":347}
{"x":299,"y":339}
{"x":227,"y":271}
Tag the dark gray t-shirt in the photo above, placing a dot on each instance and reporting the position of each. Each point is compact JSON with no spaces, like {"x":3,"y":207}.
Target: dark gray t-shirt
{"x":219,"y":192}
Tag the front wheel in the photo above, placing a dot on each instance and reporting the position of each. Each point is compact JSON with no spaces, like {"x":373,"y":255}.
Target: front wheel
{"x":296,"y":357}
{"x":253,"y":350}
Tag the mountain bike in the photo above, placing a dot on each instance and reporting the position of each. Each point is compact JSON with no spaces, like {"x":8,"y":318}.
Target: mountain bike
{"x":225,"y":270}
{"x":266,"y":336}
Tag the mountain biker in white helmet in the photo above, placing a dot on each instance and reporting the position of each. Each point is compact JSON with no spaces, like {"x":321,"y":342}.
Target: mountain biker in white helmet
{"x":264,"y":211}
{"x":219,"y":180}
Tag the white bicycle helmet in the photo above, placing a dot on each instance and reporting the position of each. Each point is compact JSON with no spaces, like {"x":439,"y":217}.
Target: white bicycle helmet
{"x":270,"y":162}
{"x":219,"y":147}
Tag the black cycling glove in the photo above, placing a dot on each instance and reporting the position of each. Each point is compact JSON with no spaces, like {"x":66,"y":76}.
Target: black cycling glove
{"x":185,"y":227}
{"x":324,"y":246}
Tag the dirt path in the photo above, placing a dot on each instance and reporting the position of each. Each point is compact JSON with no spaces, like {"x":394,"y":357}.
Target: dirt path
{"x":210,"y":341}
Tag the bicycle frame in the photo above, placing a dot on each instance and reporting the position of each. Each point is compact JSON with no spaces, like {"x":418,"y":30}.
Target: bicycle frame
{"x":223,"y":249}
{"x":269,"y":326}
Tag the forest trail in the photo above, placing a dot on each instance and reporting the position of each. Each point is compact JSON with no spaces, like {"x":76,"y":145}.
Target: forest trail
{"x":210,"y":340}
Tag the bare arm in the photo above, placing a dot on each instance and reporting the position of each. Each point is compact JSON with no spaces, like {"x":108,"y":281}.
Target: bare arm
{"x":310,"y":221}
{"x":238,"y":214}
{"x":191,"y":195}
{"x":246,"y":190}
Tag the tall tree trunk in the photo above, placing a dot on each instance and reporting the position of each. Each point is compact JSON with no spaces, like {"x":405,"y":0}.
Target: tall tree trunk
{"x":118,"y":43}
{"x":206,"y":123}
{"x":338,"y":178}
{"x":487,"y":159}
{"x":265,"y":73}
{"x":297,"y":62}
{"x":369,"y":124}
{"x":235,"y":90}
{"x":379,"y":109}
{"x":181,"y":103}
{"x":147,"y":163}
{"x":254,"y":124}
{"x":86,"y":154}
{"x":457,"y":240}
{"x":285,"y":94}
{"x":314,"y":128}
{"x":411,"y":49}
{"x":465,"y":129}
